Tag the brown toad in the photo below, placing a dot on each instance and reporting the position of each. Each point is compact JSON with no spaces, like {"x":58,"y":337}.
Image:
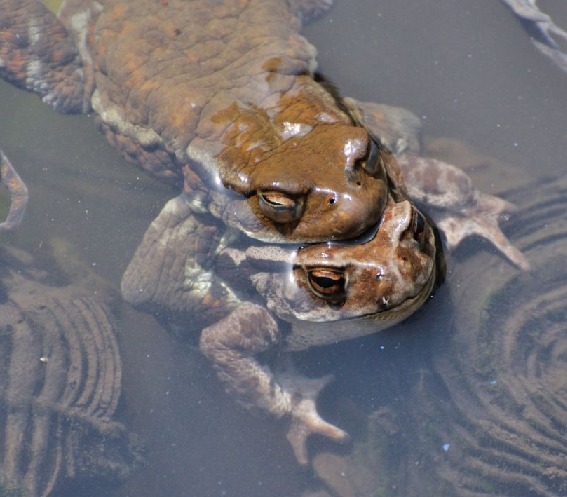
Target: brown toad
{"x":250,"y":299}
{"x":222,"y":96}
{"x":217,"y":95}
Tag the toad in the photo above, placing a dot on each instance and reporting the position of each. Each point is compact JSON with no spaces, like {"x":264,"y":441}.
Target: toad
{"x":250,"y":298}
{"x":217,"y":96}
{"x":222,"y":98}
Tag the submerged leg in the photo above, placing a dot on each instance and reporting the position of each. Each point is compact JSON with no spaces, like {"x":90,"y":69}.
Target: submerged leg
{"x":544,"y":33}
{"x":10,"y":179}
{"x":232,"y":343}
{"x":171,"y":269}
{"x":456,"y":206}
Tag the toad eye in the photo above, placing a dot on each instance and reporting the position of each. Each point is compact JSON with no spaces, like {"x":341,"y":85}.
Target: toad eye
{"x":280,"y":207}
{"x":327,"y":283}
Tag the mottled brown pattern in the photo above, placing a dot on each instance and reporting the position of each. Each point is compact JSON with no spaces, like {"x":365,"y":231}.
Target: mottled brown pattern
{"x":170,"y":82}
{"x":214,"y":84}
{"x":36,"y":54}
{"x":154,"y":159}
{"x":220,"y":96}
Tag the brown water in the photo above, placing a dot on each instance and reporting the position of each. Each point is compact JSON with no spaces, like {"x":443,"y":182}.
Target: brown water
{"x":466,"y":68}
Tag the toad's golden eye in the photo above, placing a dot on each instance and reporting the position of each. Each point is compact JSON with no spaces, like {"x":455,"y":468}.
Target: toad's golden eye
{"x":280,"y":207}
{"x":327,"y":283}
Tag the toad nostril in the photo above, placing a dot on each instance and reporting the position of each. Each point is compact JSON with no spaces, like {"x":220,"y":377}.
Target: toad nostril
{"x":281,"y":207}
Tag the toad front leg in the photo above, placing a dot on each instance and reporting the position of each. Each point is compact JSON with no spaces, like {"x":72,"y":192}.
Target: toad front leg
{"x":232,"y":343}
{"x":175,"y":268}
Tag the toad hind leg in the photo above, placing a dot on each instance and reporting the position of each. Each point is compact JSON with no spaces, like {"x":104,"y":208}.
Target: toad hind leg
{"x":10,"y":179}
{"x":444,"y":191}
{"x":231,"y":345}
{"x":544,"y":33}
{"x":37,"y":53}
{"x":456,"y":206}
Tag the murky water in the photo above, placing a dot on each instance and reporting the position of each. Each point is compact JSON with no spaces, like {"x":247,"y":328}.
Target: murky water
{"x":468,"y":70}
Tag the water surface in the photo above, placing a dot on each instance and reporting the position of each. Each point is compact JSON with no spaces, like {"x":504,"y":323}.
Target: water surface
{"x":467,"y":68}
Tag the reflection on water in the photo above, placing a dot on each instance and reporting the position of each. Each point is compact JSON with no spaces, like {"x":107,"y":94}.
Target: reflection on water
{"x":484,"y":404}
{"x":469,"y":70}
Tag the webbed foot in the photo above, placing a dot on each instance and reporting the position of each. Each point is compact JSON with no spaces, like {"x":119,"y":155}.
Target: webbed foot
{"x":305,"y":419}
{"x":232,"y":345}
{"x":481,"y":219}
{"x":457,"y":207}
{"x":444,"y":191}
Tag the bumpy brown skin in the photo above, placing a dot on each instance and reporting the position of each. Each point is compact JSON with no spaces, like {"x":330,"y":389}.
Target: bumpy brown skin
{"x":376,"y":282}
{"x":37,"y":54}
{"x":379,"y":282}
{"x":223,"y":87}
